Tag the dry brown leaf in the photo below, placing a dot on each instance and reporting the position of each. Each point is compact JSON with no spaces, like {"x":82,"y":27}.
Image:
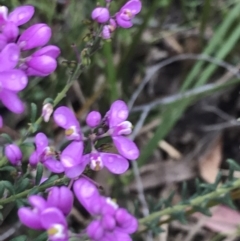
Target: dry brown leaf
{"x":209,"y":163}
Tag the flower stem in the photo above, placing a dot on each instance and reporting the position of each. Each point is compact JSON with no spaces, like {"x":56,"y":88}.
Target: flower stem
{"x":39,"y":189}
{"x":188,"y":208}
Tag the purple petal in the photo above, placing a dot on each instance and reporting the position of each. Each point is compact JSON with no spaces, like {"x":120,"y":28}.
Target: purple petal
{"x":126,"y":222}
{"x":41,"y":142}
{"x":9,"y":57}
{"x":42,"y":65}
{"x":21,"y":15}
{"x":72,"y":154}
{"x":61,"y":198}
{"x":29,"y":218}
{"x":134,"y":6}
{"x":3,"y":41}
{"x":14,"y":80}
{"x":50,"y":50}
{"x":11,"y":101}
{"x":100,"y":14}
{"x":10,"y":30}
{"x":126,"y":147}
{"x":38,"y":202}
{"x":3,"y":14}
{"x":87,"y":194}
{"x":54,"y":165}
{"x":95,"y":230}
{"x":35,"y":36}
{"x":114,"y":163}
{"x":123,"y":23}
{"x":1,"y":121}
{"x":65,"y":117}
{"x":120,"y":236}
{"x":34,"y":159}
{"x":51,"y":216}
{"x":118,"y":113}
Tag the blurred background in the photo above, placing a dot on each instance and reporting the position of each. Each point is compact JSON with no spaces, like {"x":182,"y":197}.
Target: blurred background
{"x":177,"y":68}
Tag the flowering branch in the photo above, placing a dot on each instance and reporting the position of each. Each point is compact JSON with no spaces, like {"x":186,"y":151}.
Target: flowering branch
{"x":41,"y":188}
{"x":191,"y":206}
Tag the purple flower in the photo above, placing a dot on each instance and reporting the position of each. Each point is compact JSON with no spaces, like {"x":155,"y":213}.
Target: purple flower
{"x":127,"y":13}
{"x":45,"y":154}
{"x":35,"y":36}
{"x":71,"y":159}
{"x":93,"y":119}
{"x":53,"y":220}
{"x":11,"y":80}
{"x":10,"y":31}
{"x":31,"y":216}
{"x":116,"y":119}
{"x":61,"y":198}
{"x":42,"y":62}
{"x":3,"y":41}
{"x":111,"y":222}
{"x":18,"y":16}
{"x":106,"y":33}
{"x":13,"y":154}
{"x":65,"y":118}
{"x":100,"y":14}
{"x":21,"y":15}
{"x":113,"y":162}
{"x":41,"y":216}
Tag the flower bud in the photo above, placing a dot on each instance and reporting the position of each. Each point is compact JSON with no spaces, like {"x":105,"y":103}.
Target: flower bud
{"x":50,"y":50}
{"x":61,"y":198}
{"x":40,"y":65}
{"x":106,"y":34}
{"x":35,"y":36}
{"x":95,"y":230}
{"x":100,"y":14}
{"x":13,"y":154}
{"x":21,"y":15}
{"x":47,"y":110}
{"x":93,"y":119}
{"x":10,"y":30}
{"x":108,"y":222}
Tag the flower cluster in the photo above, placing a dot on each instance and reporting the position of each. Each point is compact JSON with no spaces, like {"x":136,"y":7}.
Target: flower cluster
{"x":49,"y":214}
{"x":110,"y":221}
{"x":15,"y":62}
{"x":71,"y":160}
{"x":123,"y":18}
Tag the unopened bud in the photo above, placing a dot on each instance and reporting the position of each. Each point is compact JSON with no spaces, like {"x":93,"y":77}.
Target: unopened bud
{"x":47,"y":110}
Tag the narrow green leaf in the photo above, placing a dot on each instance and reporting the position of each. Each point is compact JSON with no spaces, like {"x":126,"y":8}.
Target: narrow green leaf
{"x":33,"y":112}
{"x":39,"y":173}
{"x":7,"y":138}
{"x":203,"y":210}
{"x":20,"y":238}
{"x":41,"y":237}
{"x":8,"y":185}
{"x":184,"y":192}
{"x":227,"y":200}
{"x":50,"y":179}
{"x":8,"y":169}
{"x":23,"y":185}
{"x":1,"y":216}
{"x":180,"y":216}
{"x":2,"y":188}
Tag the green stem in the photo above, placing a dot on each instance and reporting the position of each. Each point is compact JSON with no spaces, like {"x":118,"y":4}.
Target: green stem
{"x":192,"y":203}
{"x":26,"y":192}
{"x":110,"y":71}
